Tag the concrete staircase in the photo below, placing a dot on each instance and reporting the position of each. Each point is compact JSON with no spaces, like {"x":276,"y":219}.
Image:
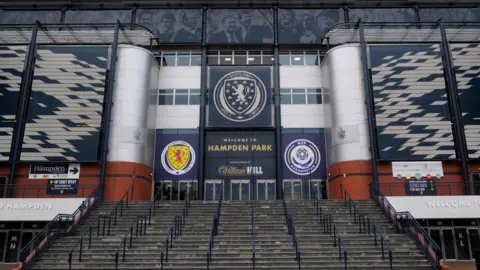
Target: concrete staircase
{"x":101,"y":253}
{"x":233,"y":244}
{"x":361,"y":251}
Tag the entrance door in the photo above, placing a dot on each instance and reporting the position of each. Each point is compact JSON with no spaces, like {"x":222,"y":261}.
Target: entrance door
{"x":239,"y":190}
{"x":266,"y":190}
{"x":293,"y":189}
{"x":187,"y":187}
{"x":213,"y":189}
{"x":320,"y":188}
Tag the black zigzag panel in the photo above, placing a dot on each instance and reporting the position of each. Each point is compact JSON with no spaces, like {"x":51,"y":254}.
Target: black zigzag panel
{"x":65,"y":110}
{"x":11,"y":69}
{"x":411,"y":107}
{"x":466,"y":58}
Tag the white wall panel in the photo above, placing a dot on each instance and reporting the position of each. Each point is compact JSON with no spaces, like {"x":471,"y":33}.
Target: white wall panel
{"x":178,"y":116}
{"x":302,"y":116}
{"x":179,"y":78}
{"x":300,"y":76}
{"x":136,"y":81}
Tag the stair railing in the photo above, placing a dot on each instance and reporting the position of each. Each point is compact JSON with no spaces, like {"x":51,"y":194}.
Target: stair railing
{"x":174,"y":231}
{"x":411,"y":226}
{"x":330,"y":228}
{"x":100,"y":231}
{"x":369,"y":226}
{"x":253,"y":234}
{"x":214,"y":231}
{"x":123,"y":201}
{"x":60,"y":224}
{"x":292,"y":231}
{"x":353,"y":208}
{"x":138,"y":228}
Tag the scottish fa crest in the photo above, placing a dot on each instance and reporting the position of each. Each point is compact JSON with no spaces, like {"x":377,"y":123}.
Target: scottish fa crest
{"x":302,"y":157}
{"x":240,"y":96}
{"x":178,"y":157}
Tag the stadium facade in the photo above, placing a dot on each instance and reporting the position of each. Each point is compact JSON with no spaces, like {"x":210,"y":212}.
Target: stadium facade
{"x":242,"y":100}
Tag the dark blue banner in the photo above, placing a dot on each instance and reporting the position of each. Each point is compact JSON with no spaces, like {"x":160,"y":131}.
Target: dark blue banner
{"x":420,"y":188}
{"x":176,"y":157}
{"x":304,"y":156}
{"x":240,"y":97}
{"x":62,"y":186}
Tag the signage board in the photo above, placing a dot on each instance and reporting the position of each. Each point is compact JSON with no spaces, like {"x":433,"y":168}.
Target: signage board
{"x":420,"y":188}
{"x":417,"y":170}
{"x":62,"y":186}
{"x":54,"y":171}
{"x":240,"y":97}
{"x":438,"y":207}
{"x":240,"y":155}
{"x":37,"y":209}
{"x":304,"y":156}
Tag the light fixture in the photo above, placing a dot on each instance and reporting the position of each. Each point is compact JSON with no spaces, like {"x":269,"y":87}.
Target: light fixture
{"x":296,"y":58}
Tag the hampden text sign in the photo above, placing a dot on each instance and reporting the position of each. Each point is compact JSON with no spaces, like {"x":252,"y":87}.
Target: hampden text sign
{"x":55,"y":171}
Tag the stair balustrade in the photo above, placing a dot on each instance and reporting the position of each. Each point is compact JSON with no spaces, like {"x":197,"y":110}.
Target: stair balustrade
{"x":410,"y":226}
{"x":253,"y":235}
{"x":367,"y":225}
{"x":214,"y":231}
{"x":174,"y":231}
{"x":140,"y":225}
{"x":330,"y":228}
{"x":292,"y":231}
{"x":60,"y":224}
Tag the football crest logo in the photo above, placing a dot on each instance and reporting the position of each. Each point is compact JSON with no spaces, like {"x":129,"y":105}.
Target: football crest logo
{"x":240,"y":96}
{"x":178,"y":157}
{"x":302,"y":157}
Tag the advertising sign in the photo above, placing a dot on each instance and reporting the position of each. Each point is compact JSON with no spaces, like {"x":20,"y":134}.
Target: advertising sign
{"x":417,"y":170}
{"x":304,"y":156}
{"x":37,"y":209}
{"x":240,"y":97}
{"x":54,"y":171}
{"x":176,"y":156}
{"x":62,"y":186}
{"x":420,"y":188}
{"x":240,"y":155}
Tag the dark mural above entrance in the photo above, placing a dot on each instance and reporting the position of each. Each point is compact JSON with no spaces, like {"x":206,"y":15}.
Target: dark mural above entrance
{"x":240,"y":97}
{"x":240,"y":155}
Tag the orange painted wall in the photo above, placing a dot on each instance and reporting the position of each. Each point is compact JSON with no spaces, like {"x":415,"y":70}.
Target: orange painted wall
{"x":118,"y":180}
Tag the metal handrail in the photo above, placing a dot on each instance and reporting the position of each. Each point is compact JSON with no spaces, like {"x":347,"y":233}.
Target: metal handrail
{"x":411,"y":226}
{"x":44,"y":238}
{"x":175,"y":230}
{"x":97,"y":222}
{"x":214,"y":230}
{"x":292,"y":231}
{"x":253,"y":235}
{"x":367,"y":225}
{"x":140,"y":225}
{"x":120,"y":203}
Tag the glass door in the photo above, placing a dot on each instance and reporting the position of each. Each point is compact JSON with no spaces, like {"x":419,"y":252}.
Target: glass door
{"x":213,"y":189}
{"x":239,"y":190}
{"x":266,"y":190}
{"x":292,"y":189}
{"x":320,"y":187}
{"x":187,"y":187}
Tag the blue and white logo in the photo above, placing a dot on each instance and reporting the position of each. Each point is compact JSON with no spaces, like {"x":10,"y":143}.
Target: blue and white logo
{"x":240,"y":96}
{"x":302,"y":157}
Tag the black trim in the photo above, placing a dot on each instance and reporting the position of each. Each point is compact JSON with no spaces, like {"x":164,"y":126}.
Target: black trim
{"x":278,"y":116}
{"x":455,"y":111}
{"x":22,"y":111}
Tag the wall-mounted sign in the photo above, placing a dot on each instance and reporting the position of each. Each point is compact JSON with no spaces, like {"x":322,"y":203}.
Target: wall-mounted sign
{"x":420,"y":188}
{"x":417,"y":170}
{"x":37,"y":209}
{"x":346,"y":134}
{"x":62,"y":186}
{"x":304,"y":156}
{"x":240,"y":155}
{"x":54,"y":171}
{"x":240,"y":97}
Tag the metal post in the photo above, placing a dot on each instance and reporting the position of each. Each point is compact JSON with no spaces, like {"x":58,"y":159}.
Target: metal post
{"x":369,"y":102}
{"x":107,"y":109}
{"x":21,"y":115}
{"x":276,"y":97}
{"x":454,"y":103}
{"x":203,"y":100}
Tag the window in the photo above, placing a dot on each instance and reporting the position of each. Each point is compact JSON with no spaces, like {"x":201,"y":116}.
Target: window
{"x":240,"y":58}
{"x":178,"y":58}
{"x":300,"y":58}
{"x":301,"y":96}
{"x":178,"y":97}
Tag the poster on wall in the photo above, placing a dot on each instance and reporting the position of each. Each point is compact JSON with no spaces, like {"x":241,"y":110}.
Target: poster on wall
{"x":420,"y":188}
{"x":62,"y":186}
{"x":176,"y":157}
{"x":304,"y":156}
{"x":240,"y":97}
{"x":417,"y":170}
{"x":240,"y":155}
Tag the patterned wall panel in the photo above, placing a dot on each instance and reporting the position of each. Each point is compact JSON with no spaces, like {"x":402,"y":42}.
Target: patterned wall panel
{"x":412,"y":113}
{"x":466,"y":58}
{"x":65,"y":110}
{"x":11,"y":69}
